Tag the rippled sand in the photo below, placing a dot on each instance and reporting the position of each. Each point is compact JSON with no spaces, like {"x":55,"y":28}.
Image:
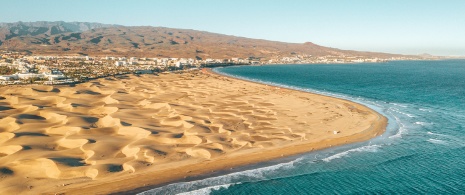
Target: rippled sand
{"x":117,"y":134}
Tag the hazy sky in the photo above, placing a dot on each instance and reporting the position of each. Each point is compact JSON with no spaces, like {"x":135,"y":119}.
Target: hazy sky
{"x":396,"y":26}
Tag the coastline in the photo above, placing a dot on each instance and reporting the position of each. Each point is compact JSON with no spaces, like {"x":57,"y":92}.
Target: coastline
{"x":138,"y":182}
{"x":249,"y":158}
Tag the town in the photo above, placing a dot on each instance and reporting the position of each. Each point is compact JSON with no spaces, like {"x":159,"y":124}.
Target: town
{"x":19,"y":69}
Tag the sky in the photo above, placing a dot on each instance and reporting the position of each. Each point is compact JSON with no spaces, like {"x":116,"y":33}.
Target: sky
{"x":395,"y":26}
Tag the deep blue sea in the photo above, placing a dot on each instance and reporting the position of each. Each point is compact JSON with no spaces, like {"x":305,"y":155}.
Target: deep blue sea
{"x":422,"y":151}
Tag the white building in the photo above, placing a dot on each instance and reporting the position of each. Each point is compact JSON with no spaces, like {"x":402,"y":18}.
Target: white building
{"x":29,"y":75}
{"x":53,"y":77}
{"x":120,"y":63}
{"x":358,"y":60}
{"x":8,"y":77}
{"x":209,"y":60}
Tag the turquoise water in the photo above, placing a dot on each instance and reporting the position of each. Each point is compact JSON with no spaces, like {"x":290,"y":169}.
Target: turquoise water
{"x":423,"y":150}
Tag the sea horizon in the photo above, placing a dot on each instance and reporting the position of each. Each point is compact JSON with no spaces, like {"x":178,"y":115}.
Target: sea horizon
{"x":232,"y":97}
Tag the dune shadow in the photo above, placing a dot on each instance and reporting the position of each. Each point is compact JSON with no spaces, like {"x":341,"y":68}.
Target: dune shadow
{"x":74,"y":105}
{"x":122,"y":77}
{"x":54,"y":90}
{"x":41,"y":106}
{"x":90,"y":119}
{"x":30,"y":116}
{"x":27,"y":147}
{"x":72,"y":162}
{"x":125,"y":123}
{"x":180,"y":135}
{"x":153,"y":131}
{"x":6,"y":171}
{"x":39,"y":90}
{"x":33,"y":134}
{"x":98,"y":84}
{"x":22,"y":118}
{"x":159,"y":152}
{"x":3,"y":108}
{"x":115,"y":168}
{"x":88,"y":92}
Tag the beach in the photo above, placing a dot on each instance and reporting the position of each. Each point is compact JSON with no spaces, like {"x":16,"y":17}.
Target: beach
{"x":119,"y":134}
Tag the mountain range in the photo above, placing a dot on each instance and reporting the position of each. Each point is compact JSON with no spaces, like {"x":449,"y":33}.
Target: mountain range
{"x":83,"y":38}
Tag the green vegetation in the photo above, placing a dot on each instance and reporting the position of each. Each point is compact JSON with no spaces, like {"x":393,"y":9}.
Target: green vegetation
{"x":33,"y":80}
{"x":4,"y":70}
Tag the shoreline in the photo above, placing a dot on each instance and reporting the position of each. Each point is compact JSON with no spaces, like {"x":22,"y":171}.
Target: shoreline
{"x":182,"y":174}
{"x":278,"y":123}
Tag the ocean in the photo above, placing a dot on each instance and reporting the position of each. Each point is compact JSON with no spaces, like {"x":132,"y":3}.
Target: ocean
{"x":421,"y":152}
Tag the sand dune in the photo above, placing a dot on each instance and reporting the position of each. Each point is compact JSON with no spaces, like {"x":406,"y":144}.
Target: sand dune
{"x":7,"y":150}
{"x":108,"y":135}
{"x":63,"y":130}
{"x":40,"y":168}
{"x":8,"y":124}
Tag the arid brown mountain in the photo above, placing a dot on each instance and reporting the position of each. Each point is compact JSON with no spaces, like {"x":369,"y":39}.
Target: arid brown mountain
{"x":65,"y":38}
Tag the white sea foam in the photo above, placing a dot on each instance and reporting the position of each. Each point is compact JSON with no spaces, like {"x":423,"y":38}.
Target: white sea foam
{"x":403,"y":113}
{"x":424,"y":110}
{"x":206,"y":185}
{"x":400,"y":105}
{"x":370,"y":148}
{"x":422,"y":123}
{"x":336,"y":156}
{"x":401,"y":130}
{"x":409,"y":115}
{"x":376,"y":104}
{"x":438,"y":134}
{"x":437,"y":141}
{"x":445,"y":139}
{"x":206,"y":190}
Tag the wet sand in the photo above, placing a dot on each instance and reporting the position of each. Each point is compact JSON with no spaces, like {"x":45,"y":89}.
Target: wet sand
{"x":119,"y":134}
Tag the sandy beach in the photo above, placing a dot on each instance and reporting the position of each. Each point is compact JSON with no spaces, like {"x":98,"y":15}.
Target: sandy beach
{"x":119,"y":134}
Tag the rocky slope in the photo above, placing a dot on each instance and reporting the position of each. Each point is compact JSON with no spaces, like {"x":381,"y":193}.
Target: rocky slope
{"x":69,"y":38}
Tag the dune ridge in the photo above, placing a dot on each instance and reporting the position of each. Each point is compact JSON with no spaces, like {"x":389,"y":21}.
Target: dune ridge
{"x":98,"y":137}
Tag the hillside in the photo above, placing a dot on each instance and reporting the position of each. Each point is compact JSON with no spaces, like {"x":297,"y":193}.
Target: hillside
{"x":65,"y":38}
